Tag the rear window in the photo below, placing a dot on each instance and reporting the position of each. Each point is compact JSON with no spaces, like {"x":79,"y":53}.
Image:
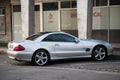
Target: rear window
{"x":35,"y":36}
{"x":32,"y":37}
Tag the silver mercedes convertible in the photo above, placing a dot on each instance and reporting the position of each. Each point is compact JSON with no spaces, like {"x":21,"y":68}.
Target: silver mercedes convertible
{"x":42,"y":48}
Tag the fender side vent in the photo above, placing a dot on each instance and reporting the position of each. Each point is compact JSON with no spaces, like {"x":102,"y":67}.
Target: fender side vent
{"x":87,"y":49}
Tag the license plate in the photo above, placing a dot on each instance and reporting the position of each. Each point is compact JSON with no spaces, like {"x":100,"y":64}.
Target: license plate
{"x":10,"y":47}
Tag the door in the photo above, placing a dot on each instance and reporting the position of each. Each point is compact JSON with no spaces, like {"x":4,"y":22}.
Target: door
{"x":50,"y":14}
{"x":17,"y":23}
{"x":67,"y":49}
{"x":64,"y":45}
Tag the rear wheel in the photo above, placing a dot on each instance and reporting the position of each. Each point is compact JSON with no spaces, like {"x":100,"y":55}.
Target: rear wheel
{"x":41,"y":58}
{"x":99,"y":53}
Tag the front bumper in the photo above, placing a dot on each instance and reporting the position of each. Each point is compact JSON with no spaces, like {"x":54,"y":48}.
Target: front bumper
{"x":19,"y":55}
{"x":110,"y":51}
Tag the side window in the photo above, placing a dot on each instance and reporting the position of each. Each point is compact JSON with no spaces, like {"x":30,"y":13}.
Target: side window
{"x":59,"y":38}
{"x":67,"y":38}
{"x":53,"y":38}
{"x":49,"y":38}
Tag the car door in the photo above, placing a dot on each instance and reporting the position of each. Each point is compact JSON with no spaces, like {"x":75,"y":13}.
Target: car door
{"x":65,"y":45}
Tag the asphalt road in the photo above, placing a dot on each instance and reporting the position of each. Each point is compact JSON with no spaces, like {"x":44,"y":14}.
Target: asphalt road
{"x":71,"y":69}
{"x":50,"y":73}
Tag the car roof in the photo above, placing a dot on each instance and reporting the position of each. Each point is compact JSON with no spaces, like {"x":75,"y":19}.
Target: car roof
{"x":43,"y":33}
{"x":49,"y":32}
{"x":35,"y":36}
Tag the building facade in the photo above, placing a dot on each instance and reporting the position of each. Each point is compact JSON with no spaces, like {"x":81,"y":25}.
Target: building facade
{"x":97,"y":19}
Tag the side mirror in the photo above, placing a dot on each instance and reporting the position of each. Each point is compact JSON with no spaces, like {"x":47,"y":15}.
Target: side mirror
{"x":77,"y":41}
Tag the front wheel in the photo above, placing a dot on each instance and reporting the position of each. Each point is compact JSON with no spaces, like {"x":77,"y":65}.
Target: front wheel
{"x":41,"y":58}
{"x":99,"y":53}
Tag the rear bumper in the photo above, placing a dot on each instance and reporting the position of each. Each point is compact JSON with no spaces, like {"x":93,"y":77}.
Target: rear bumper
{"x":19,"y":55}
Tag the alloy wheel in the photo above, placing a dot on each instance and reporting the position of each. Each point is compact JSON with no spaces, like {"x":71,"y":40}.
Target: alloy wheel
{"x":41,"y":58}
{"x":99,"y":53}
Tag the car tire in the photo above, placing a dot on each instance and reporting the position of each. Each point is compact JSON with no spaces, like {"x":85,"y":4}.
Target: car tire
{"x":41,"y":58}
{"x":99,"y":53}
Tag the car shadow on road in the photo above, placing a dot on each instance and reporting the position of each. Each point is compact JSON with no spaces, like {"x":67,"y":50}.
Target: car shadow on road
{"x":54,"y":62}
{"x":113,"y":58}
{"x":70,"y":61}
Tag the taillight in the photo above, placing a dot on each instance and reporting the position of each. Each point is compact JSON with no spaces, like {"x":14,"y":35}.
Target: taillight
{"x":19,"y":48}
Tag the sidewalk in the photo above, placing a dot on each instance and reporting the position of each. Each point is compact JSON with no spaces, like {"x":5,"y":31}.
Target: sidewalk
{"x":3,"y":50}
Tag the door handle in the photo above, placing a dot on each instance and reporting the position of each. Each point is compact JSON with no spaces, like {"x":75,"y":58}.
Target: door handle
{"x":56,"y":44}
